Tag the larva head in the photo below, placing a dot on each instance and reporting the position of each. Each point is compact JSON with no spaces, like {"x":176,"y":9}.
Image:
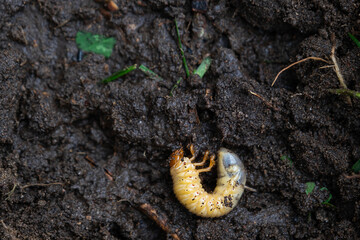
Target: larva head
{"x":230,"y":165}
{"x":176,"y":157}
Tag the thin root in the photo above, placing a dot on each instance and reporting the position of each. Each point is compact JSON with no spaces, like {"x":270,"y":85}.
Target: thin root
{"x":11,"y":192}
{"x":335,"y":66}
{"x":300,"y":61}
{"x":327,"y":66}
{"x":30,"y":185}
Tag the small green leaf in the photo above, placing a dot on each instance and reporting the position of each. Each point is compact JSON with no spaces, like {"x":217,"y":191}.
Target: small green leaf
{"x":309,"y":187}
{"x":287,"y":159}
{"x":326,"y":202}
{"x":204,"y":66}
{"x":95,"y":43}
{"x":356,"y":167}
{"x":175,"y":86}
{"x":354,"y":39}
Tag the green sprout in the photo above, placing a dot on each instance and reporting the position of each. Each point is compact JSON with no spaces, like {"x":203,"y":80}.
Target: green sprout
{"x":204,"y":66}
{"x":327,"y":201}
{"x":310,"y":186}
{"x":345,"y":92}
{"x":150,"y":73}
{"x":9,"y":194}
{"x":181,"y":50}
{"x":200,"y":71}
{"x":356,"y":167}
{"x":287,"y":159}
{"x":357,"y":42}
{"x":119,"y":74}
{"x":175,"y":86}
{"x":125,"y":71}
{"x":95,"y":43}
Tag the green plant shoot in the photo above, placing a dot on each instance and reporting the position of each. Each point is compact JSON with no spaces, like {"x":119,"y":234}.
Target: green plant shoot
{"x":204,"y":66}
{"x":182,"y":51}
{"x":287,"y":159}
{"x":356,"y":167}
{"x":357,"y":42}
{"x":119,"y":74}
{"x":175,"y":86}
{"x":310,"y":186}
{"x":150,"y":73}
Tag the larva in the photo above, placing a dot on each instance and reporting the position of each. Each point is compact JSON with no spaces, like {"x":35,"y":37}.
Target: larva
{"x":188,"y":188}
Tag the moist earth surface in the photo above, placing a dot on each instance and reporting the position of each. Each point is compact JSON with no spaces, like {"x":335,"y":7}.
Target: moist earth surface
{"x":85,"y":160}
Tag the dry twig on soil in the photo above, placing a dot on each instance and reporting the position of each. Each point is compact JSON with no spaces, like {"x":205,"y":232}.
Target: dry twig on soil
{"x":353,"y":176}
{"x":263,"y":99}
{"x":160,"y":219}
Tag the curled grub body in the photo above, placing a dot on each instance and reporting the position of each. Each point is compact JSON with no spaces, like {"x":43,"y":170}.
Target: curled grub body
{"x":188,"y":188}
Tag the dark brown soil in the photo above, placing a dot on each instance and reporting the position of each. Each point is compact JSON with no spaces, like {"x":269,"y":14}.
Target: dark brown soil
{"x":56,"y":118}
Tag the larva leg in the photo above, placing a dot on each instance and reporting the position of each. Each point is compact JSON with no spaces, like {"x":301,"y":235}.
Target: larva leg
{"x":212,"y":163}
{"x":206,"y":155}
{"x":192,"y":151}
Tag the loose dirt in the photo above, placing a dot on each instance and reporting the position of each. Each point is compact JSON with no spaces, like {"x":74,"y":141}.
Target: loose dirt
{"x":83,"y":160}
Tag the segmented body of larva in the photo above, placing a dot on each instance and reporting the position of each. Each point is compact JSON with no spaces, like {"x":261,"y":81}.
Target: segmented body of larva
{"x":188,"y":188}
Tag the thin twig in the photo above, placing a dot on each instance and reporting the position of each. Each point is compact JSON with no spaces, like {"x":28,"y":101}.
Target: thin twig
{"x":300,"y":61}
{"x":250,"y":189}
{"x":4,"y":225}
{"x":90,"y":161}
{"x":63,"y":23}
{"x":263,"y":99}
{"x":108,"y":174}
{"x":327,"y":66}
{"x":337,"y":69}
{"x":159,"y":219}
{"x":353,"y":176}
{"x":338,"y":74}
